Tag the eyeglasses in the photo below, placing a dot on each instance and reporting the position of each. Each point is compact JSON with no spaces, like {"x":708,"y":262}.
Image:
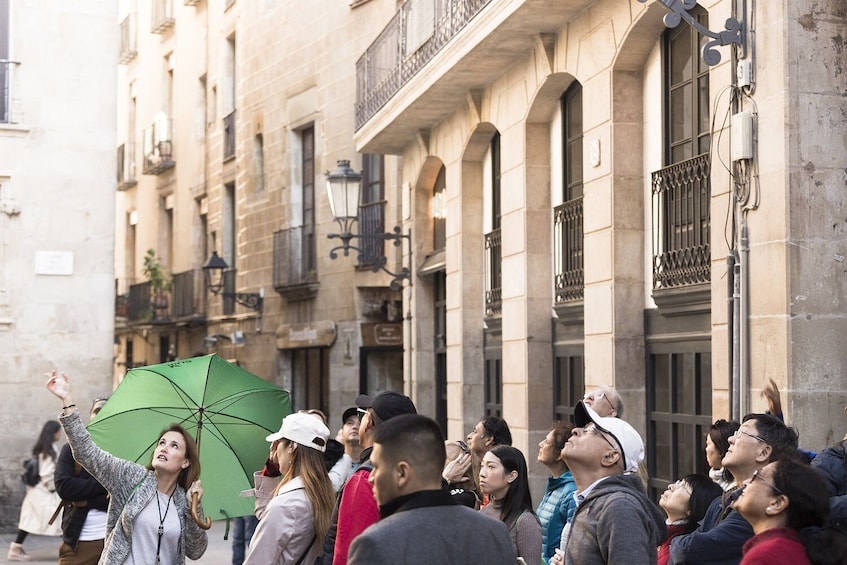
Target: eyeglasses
{"x":680,"y":484}
{"x":739,"y":432}
{"x":463,"y":446}
{"x":757,"y":475}
{"x":595,"y":395}
{"x":592,"y":427}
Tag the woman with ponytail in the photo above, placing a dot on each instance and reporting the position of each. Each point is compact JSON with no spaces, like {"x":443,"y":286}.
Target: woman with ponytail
{"x":295,"y":506}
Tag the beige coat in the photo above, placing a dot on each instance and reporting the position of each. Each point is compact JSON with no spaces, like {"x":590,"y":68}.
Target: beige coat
{"x":41,"y":501}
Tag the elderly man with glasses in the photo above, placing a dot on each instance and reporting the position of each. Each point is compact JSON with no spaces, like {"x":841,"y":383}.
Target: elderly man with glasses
{"x":605,"y":401}
{"x":760,"y":440}
{"x":614,"y":521}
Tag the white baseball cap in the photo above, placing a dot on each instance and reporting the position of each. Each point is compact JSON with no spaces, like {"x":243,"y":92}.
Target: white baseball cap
{"x":628,"y":439}
{"x":304,"y":429}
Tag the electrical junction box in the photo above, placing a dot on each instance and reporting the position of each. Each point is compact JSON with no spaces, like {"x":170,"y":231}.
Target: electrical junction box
{"x":741,"y":138}
{"x":744,"y":73}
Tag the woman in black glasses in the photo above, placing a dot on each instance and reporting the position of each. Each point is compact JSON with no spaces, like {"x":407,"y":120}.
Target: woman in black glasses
{"x":786,"y":502}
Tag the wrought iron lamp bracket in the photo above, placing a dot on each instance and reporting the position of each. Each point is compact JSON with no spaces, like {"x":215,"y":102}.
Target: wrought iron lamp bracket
{"x":734,"y":30}
{"x":252,"y":300}
{"x":378,"y":264}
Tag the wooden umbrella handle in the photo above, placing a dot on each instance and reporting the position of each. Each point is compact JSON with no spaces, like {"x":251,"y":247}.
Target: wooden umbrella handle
{"x":195,"y":498}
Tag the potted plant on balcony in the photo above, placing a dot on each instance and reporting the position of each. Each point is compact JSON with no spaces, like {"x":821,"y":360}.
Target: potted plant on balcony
{"x":160,"y":282}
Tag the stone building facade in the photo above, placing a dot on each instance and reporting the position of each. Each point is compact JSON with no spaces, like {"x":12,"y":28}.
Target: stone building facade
{"x":57,"y":131}
{"x":586,"y":193}
{"x":230,"y":112}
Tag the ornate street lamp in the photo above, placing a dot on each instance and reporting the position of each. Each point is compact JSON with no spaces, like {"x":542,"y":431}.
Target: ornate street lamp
{"x":343,"y":187}
{"x":214,"y":272}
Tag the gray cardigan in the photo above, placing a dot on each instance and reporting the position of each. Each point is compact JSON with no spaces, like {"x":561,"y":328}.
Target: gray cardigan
{"x":130,"y":488}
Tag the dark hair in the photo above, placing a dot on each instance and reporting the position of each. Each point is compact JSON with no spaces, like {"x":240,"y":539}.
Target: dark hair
{"x":498,"y":430}
{"x":720,"y":433}
{"x":703,"y":491}
{"x":518,"y":498}
{"x":415,"y":439}
{"x":561,"y":432}
{"x":46,"y":438}
{"x":781,"y":438}
{"x":808,"y":509}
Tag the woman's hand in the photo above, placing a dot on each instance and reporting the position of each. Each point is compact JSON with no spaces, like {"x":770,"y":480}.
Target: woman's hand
{"x":60,"y":386}
{"x":197,"y":487}
{"x":558,"y":558}
{"x":456,"y":470}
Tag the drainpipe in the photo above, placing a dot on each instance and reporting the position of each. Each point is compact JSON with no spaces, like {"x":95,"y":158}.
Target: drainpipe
{"x":744,"y":308}
{"x":732,"y":321}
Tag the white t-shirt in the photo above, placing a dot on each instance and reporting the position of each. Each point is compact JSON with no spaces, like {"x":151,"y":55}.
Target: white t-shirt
{"x":94,"y":527}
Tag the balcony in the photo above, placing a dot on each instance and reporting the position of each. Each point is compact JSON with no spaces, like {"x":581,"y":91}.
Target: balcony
{"x":158,"y":146}
{"x":421,"y":67}
{"x":162,"y":16}
{"x":294,"y":269}
{"x":493,"y":273}
{"x":129,"y":37}
{"x":371,"y":230}
{"x":122,"y":298}
{"x":229,"y":136}
{"x":681,"y":220}
{"x":568,"y":251}
{"x":126,"y":166}
{"x":189,"y":298}
{"x":8,"y":104}
{"x":146,"y":308}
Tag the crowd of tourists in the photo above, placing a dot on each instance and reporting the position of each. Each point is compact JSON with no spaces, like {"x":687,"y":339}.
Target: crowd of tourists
{"x":389,"y":489}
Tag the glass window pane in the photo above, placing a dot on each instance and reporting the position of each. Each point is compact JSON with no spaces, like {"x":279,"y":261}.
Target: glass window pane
{"x":574,"y":172}
{"x":681,"y":56}
{"x":681,"y":113}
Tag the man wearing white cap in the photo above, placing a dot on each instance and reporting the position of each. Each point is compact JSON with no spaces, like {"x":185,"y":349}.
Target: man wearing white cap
{"x":614,"y":521}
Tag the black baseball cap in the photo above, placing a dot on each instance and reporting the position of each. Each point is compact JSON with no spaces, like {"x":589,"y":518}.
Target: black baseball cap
{"x":353,"y":411}
{"x":387,"y":404}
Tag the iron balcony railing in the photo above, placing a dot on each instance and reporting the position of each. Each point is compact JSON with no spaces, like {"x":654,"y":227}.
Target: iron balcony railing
{"x":188,"y":295}
{"x":158,"y":146}
{"x":681,"y":223}
{"x":122,"y":300}
{"x":295,"y":260}
{"x":126,"y":166}
{"x":371,"y":231}
{"x":229,"y":136}
{"x":145,"y":306}
{"x":129,"y":35}
{"x":7,"y":102}
{"x":162,"y":16}
{"x":493,"y":273}
{"x":419,"y":30}
{"x":568,"y":250}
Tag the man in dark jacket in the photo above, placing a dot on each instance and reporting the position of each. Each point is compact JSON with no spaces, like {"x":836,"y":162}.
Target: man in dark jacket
{"x":420,"y":523}
{"x":760,"y":440}
{"x":831,"y":463}
{"x":614,"y":521}
{"x":84,"y":505}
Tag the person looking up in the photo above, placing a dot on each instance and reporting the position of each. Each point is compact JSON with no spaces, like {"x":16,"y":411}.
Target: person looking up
{"x":685,"y":502}
{"x":605,"y":401}
{"x":717,"y":444}
{"x":149,"y":517}
{"x":786,"y":502}
{"x":720,"y":537}
{"x":487,"y":433}
{"x":558,"y":505}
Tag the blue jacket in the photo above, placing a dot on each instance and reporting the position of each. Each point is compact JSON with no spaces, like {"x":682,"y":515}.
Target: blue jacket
{"x":554,"y":511}
{"x":717,"y":541}
{"x":831,"y":463}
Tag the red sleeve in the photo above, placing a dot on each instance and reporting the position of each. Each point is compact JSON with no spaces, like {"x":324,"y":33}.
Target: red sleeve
{"x":357,"y":511}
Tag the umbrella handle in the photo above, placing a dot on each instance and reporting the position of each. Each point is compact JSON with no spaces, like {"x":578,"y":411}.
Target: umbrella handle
{"x":195,"y":498}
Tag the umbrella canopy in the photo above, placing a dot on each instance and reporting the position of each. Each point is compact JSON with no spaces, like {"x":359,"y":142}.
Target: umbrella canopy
{"x":228,"y":410}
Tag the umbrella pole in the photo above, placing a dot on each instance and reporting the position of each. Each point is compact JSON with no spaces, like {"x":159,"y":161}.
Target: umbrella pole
{"x":195,"y":498}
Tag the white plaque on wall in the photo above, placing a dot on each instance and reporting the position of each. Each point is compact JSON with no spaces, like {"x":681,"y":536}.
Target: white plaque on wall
{"x":54,"y":263}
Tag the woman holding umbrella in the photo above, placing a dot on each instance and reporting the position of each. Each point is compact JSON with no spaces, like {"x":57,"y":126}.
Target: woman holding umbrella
{"x":294,"y":511}
{"x":152,"y":504}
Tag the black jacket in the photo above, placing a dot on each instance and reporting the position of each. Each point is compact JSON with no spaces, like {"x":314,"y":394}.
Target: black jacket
{"x":831,"y":463}
{"x":79,"y":493}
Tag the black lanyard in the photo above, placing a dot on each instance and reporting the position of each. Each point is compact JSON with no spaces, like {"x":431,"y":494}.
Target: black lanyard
{"x":162,"y":520}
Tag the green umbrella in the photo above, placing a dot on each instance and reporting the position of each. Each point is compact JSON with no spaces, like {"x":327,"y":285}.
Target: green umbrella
{"x":228,"y":410}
